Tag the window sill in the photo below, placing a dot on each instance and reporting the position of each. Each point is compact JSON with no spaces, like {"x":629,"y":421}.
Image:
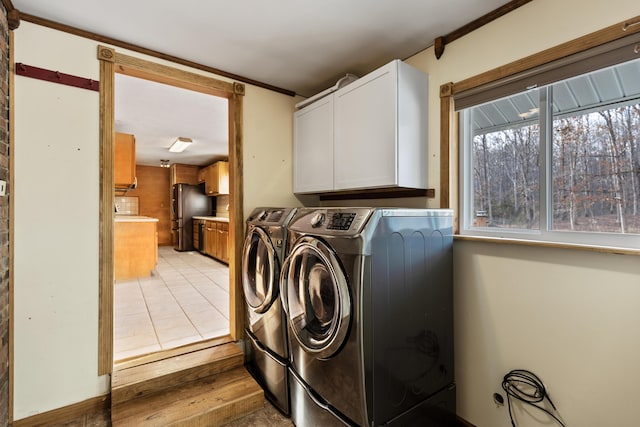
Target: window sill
{"x":544,"y":244}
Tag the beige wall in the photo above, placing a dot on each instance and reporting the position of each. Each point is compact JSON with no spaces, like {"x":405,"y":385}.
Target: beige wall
{"x":56,"y":213}
{"x":569,"y":316}
{"x":55,"y":227}
{"x":268,"y":149}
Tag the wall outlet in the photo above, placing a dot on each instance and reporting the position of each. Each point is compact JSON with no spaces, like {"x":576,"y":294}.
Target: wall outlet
{"x":3,"y":187}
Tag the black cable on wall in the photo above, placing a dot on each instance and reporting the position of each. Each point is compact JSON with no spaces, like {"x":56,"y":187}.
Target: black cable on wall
{"x":526,"y":387}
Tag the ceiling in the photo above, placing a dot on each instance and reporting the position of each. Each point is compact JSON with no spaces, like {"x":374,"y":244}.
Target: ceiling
{"x":157,"y":114}
{"x":302,"y":46}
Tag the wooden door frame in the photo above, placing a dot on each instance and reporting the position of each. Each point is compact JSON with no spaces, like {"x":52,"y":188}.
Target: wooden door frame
{"x":110,"y":63}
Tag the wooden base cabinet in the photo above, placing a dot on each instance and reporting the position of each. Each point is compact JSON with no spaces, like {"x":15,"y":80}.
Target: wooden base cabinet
{"x":216,"y":243}
{"x":223,"y":241}
{"x":210,"y":238}
{"x":135,"y":249}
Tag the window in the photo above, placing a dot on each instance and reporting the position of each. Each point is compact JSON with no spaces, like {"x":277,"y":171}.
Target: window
{"x":557,"y":162}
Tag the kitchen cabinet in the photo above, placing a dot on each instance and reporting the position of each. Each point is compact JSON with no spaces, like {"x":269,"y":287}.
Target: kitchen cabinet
{"x":378,"y":136}
{"x":211,"y":238}
{"x":124,"y":171}
{"x":184,"y":174}
{"x":216,"y":178}
{"x":217,"y":240}
{"x":135,"y":246}
{"x":223,"y":242}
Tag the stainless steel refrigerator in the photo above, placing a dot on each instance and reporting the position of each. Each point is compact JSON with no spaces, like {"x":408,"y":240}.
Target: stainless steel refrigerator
{"x":188,"y":201}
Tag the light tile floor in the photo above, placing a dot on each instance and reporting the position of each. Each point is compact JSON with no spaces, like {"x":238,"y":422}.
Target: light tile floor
{"x":186,"y":300}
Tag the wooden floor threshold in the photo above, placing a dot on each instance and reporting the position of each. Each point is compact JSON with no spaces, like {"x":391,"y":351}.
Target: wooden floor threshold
{"x":210,"y":401}
{"x":207,"y":387}
{"x":165,"y":354}
{"x":140,"y":380}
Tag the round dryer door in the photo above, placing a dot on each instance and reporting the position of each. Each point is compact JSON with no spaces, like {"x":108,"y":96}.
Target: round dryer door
{"x":316,"y":298}
{"x":260,"y":270}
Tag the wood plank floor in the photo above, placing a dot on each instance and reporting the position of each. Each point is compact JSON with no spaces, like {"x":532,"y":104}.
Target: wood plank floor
{"x":268,"y":416}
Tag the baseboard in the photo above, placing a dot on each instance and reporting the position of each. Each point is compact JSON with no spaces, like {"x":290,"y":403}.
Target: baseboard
{"x":96,"y":406}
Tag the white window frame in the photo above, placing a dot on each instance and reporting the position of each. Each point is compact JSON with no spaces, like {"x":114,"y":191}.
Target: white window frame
{"x":545,"y":232}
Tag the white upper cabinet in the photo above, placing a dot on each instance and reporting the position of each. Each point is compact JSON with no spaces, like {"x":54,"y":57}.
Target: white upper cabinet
{"x":381,"y":130}
{"x":377,"y":136}
{"x":313,"y":147}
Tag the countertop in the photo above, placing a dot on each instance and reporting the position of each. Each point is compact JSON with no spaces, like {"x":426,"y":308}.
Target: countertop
{"x":213,"y":218}
{"x":134,"y":218}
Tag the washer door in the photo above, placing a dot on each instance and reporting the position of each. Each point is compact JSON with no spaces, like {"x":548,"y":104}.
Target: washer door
{"x":260,"y":270}
{"x":315,"y":296}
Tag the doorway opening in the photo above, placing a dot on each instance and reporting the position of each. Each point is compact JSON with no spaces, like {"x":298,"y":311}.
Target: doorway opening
{"x":113,"y":63}
{"x":170,"y":291}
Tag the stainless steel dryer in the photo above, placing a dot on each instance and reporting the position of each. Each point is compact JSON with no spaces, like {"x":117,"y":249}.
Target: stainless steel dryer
{"x":263,"y":253}
{"x":369,"y":301}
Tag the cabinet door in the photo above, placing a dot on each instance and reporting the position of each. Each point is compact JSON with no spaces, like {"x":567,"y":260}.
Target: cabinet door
{"x":184,"y":174}
{"x":124,"y":160}
{"x":217,"y":178}
{"x":223,"y":177}
{"x":313,"y":147}
{"x":210,"y":179}
{"x":223,"y":241}
{"x":365,"y":131}
{"x":211,"y":238}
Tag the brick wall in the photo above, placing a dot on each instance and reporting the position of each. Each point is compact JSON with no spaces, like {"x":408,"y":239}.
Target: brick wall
{"x":4,"y":219}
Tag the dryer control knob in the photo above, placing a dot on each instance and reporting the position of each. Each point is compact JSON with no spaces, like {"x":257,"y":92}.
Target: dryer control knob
{"x":317,"y":220}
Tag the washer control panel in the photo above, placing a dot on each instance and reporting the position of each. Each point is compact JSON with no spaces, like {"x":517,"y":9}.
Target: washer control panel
{"x":271,"y":216}
{"x":331,"y":221}
{"x":341,"y":220}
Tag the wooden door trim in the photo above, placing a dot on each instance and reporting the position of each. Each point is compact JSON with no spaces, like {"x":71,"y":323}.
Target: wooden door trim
{"x":112,"y":62}
{"x":106,"y":274}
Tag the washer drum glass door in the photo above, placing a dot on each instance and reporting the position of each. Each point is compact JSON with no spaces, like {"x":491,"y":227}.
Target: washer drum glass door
{"x":260,"y":271}
{"x":315,"y":297}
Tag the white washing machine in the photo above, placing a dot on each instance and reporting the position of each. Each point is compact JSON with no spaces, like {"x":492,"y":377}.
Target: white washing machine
{"x":369,"y":302}
{"x":263,"y":253}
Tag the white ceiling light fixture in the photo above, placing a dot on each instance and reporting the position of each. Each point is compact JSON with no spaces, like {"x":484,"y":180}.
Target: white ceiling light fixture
{"x":164,"y":163}
{"x":180,"y":144}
